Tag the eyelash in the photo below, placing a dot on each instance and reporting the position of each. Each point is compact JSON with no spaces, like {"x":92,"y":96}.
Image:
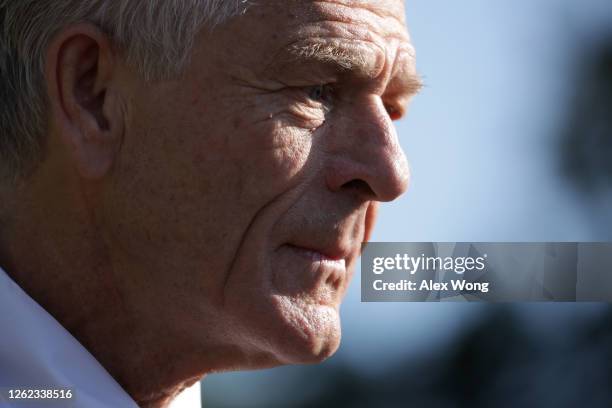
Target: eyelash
{"x":324,"y":93}
{"x":321,"y":93}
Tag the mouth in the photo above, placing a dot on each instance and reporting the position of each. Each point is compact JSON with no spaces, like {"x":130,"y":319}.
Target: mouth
{"x":329,"y":267}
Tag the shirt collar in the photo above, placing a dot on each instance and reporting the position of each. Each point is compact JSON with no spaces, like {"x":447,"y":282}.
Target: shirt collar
{"x":36,"y":351}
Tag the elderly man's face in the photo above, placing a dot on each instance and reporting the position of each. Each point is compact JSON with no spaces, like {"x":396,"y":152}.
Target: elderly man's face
{"x":246,"y":187}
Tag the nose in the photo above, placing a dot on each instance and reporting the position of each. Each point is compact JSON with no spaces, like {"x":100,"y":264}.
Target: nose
{"x":366,"y":155}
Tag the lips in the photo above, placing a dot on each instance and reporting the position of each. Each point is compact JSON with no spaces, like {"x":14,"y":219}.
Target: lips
{"x":318,"y":255}
{"x":331,"y":252}
{"x":330,"y":264}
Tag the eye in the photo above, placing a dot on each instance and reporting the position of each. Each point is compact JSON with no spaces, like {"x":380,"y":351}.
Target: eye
{"x":393,"y":112}
{"x":321,"y":93}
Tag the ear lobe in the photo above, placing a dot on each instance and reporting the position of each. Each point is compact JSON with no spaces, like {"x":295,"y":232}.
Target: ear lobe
{"x":81,"y":78}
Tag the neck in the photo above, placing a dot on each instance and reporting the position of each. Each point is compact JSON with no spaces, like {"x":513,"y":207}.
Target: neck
{"x":55,"y":249}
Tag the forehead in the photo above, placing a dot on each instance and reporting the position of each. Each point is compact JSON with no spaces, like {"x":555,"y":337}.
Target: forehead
{"x":379,"y":6}
{"x":349,"y":31}
{"x":378,"y":17}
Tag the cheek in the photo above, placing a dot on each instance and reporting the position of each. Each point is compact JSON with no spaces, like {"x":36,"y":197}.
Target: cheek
{"x":272,"y":158}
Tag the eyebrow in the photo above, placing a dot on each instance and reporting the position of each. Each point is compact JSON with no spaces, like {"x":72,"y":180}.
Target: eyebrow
{"x":328,"y":53}
{"x":345,"y":60}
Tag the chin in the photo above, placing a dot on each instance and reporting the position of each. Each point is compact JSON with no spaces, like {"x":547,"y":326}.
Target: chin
{"x":308,"y":333}
{"x":288,"y":330}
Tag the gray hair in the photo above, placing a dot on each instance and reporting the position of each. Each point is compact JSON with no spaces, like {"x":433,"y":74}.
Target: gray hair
{"x":156,"y":37}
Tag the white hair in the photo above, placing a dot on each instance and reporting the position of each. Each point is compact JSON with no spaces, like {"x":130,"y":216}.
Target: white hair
{"x":156,"y":37}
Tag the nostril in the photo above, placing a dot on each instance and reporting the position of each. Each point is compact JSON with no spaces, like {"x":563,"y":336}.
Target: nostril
{"x":359,"y":186}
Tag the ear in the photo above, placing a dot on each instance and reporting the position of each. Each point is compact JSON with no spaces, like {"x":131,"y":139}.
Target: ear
{"x":85,"y":103}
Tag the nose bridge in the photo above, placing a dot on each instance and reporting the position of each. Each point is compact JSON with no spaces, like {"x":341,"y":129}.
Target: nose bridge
{"x":371,"y":152}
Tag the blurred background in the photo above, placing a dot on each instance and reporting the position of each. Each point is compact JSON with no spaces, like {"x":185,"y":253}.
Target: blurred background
{"x":511,"y":140}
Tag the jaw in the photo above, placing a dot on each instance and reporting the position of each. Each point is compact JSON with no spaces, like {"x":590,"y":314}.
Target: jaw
{"x":312,"y":332}
{"x":286,"y":329}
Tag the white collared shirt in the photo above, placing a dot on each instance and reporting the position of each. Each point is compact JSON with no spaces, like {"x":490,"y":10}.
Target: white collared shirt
{"x":36,"y":352}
